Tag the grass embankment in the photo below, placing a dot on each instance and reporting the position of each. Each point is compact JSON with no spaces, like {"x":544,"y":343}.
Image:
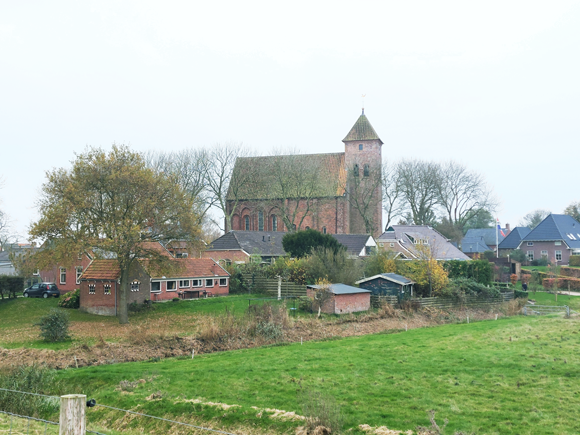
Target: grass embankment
{"x":18,"y":316}
{"x":516,"y":375}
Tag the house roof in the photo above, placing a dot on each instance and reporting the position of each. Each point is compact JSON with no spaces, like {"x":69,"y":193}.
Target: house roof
{"x":327,"y":170}
{"x":362,"y":130}
{"x":474,"y":244}
{"x":487,"y":234}
{"x":513,"y":239}
{"x":355,"y":243}
{"x":410,"y":237}
{"x":340,"y":289}
{"x":264,"y":243}
{"x":393,"y":277}
{"x":102,"y":269}
{"x":556,"y":227}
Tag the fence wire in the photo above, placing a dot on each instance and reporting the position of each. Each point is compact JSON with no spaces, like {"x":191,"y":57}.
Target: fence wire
{"x":12,"y":427}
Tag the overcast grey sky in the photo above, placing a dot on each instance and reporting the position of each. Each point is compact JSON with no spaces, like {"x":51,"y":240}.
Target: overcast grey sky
{"x":494,"y":85}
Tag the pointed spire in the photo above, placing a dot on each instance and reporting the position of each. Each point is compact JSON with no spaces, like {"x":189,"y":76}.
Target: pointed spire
{"x":362,"y":130}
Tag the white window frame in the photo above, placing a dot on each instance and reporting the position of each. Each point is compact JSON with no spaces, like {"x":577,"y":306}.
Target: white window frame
{"x":182,"y":285}
{"x":92,"y":289}
{"x":207,"y":280}
{"x":225,"y":280}
{"x":545,"y":253}
{"x":174,"y":289}
{"x":62,"y":272}
{"x":156,"y":282}
{"x":558,"y":243}
{"x":530,"y":244}
{"x":79,"y":272}
{"x":107,"y":289}
{"x":530,"y":255}
{"x":196,"y":282}
{"x":558,"y":254}
{"x":135,"y":286}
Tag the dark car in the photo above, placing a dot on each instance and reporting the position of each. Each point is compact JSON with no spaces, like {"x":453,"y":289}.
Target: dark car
{"x":44,"y":289}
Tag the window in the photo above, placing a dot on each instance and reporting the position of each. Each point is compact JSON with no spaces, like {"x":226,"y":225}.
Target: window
{"x":530,"y":243}
{"x":366,"y":171}
{"x":323,"y":230}
{"x":360,"y":147}
{"x":107,"y":288}
{"x":247,"y":223}
{"x":171,"y":285}
{"x":62,"y":275}
{"x":155,"y":286}
{"x":274,"y":223}
{"x":530,"y":255}
{"x":545,"y":254}
{"x":184,"y":283}
{"x":223,"y":282}
{"x":307,"y":227}
{"x":558,"y":255}
{"x":558,"y":243}
{"x":80,"y":256}
{"x":355,"y":170}
{"x":209,"y":282}
{"x":260,"y":221}
{"x":79,"y":270}
{"x":135,"y":286}
{"x":91,"y":289}
{"x":196,"y":282}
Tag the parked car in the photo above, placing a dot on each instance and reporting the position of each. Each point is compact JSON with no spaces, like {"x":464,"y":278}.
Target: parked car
{"x":44,"y":289}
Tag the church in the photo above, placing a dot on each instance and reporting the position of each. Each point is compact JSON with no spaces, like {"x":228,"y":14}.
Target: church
{"x":335,"y":193}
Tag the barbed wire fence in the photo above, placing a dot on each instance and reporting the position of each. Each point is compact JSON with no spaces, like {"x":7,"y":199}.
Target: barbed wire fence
{"x":73,"y":417}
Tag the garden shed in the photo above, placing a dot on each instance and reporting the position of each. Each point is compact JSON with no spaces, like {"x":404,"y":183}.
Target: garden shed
{"x":343,"y":298}
{"x":387,"y":284}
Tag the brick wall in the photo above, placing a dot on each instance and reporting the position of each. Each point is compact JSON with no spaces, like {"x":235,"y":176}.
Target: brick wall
{"x":352,"y":303}
{"x":551,"y":248}
{"x":70,"y":284}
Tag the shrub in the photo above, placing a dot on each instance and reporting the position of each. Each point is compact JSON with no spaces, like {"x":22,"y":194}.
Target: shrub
{"x":72,"y":300}
{"x":574,"y":261}
{"x":175,"y":299}
{"x":478,"y":270}
{"x":458,"y":288}
{"x":513,"y":279}
{"x":10,"y":285}
{"x":540,"y":262}
{"x":305,"y":303}
{"x":489,"y":255}
{"x":520,"y":294}
{"x":333,"y":266}
{"x":54,"y":326}
{"x":32,"y":379}
{"x":301,"y":243}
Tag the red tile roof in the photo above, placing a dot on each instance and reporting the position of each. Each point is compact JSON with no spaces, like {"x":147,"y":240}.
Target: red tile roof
{"x":102,"y":269}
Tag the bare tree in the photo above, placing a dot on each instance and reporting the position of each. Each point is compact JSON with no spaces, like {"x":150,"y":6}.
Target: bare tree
{"x":533,"y":218}
{"x":573,"y":210}
{"x":392,"y":195}
{"x":462,"y":194}
{"x":418,"y":184}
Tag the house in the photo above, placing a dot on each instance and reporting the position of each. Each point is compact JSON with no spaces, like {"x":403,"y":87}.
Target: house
{"x":186,"y":278}
{"x":387,"y":284}
{"x":238,"y":246}
{"x":419,"y":241}
{"x":513,"y":239}
{"x":257,"y":205}
{"x":556,"y":238}
{"x":491,"y":237}
{"x":357,"y":245}
{"x":7,"y":266}
{"x":343,"y":298}
{"x":68,"y":277}
{"x":474,"y":246}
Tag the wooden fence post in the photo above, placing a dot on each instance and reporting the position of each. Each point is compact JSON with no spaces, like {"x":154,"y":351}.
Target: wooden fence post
{"x":72,"y":414}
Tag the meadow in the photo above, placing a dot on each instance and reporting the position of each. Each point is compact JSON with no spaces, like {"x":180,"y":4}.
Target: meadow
{"x":516,"y":375}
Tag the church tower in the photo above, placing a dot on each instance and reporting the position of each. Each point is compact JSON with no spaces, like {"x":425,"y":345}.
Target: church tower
{"x":362,"y":160}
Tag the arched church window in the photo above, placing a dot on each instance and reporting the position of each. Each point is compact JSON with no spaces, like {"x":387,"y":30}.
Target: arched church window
{"x":355,"y":170}
{"x":260,"y":221}
{"x":247,"y":223}
{"x":366,"y":170}
{"x":274,"y":223}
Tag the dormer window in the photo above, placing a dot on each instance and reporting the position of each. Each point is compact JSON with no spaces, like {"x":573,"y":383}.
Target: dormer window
{"x":360,"y":147}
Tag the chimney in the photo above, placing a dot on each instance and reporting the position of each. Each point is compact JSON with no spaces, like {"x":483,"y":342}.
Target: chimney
{"x":507,"y":227}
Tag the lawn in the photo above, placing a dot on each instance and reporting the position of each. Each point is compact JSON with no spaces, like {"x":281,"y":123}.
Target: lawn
{"x":18,"y":317}
{"x":545,"y":298}
{"x":515,"y":375}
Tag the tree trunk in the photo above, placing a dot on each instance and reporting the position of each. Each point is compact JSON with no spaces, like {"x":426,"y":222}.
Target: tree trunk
{"x":122,"y":313}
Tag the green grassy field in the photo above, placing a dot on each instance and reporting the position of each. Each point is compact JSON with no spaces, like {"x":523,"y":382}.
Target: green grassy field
{"x":516,"y":375}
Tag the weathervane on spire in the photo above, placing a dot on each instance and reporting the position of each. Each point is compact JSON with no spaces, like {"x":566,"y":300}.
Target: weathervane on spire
{"x":363,"y":103}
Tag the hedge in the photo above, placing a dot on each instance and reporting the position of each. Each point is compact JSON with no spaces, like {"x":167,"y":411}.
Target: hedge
{"x":520,"y":294}
{"x":570,"y":271}
{"x":574,"y":260}
{"x":477,"y":270}
{"x":562,"y":283}
{"x":10,"y":285}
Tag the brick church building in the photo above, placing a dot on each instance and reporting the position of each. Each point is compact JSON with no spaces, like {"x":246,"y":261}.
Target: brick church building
{"x":336,"y":193}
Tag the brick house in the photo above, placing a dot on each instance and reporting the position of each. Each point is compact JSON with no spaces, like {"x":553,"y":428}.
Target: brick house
{"x":68,"y":278}
{"x":344,"y":298}
{"x":191,"y":278}
{"x":556,"y":238}
{"x":513,"y":240}
{"x":256,"y":205}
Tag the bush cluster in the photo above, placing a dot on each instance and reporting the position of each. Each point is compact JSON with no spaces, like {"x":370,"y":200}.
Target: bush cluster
{"x":54,"y":326}
{"x":520,"y":294}
{"x":10,"y":285}
{"x":480,"y":271}
{"x":72,"y":300}
{"x":458,"y":288}
{"x":574,"y":261}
